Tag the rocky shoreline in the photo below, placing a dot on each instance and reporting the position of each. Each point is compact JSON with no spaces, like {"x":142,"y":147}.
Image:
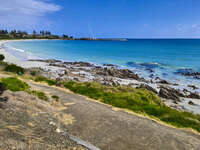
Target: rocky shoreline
{"x":112,"y":75}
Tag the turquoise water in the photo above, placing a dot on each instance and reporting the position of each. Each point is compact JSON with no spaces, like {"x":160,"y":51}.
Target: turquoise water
{"x":165,"y":56}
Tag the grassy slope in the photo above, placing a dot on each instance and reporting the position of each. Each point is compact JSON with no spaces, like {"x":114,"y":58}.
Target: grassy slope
{"x":137,"y":100}
{"x":14,"y":84}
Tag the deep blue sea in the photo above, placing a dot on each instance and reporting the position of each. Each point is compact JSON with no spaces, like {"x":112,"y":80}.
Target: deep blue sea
{"x":164,"y":56}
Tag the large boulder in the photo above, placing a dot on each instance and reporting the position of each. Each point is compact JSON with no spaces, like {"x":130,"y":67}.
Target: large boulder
{"x":170,"y":93}
{"x":148,"y":87}
{"x":194,"y":95}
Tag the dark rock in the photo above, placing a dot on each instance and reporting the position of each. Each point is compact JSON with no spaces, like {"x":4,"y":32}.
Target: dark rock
{"x":163,"y":82}
{"x":150,"y":70}
{"x":109,"y":65}
{"x":146,"y":86}
{"x":2,"y":88}
{"x":151,"y":75}
{"x":191,"y":103}
{"x":3,"y":99}
{"x":193,"y":87}
{"x":79,"y":64}
{"x":150,"y":65}
{"x":46,"y":60}
{"x":132,"y":64}
{"x":57,"y":65}
{"x":194,"y":95}
{"x":170,"y":93}
{"x":189,"y":73}
{"x":120,"y":73}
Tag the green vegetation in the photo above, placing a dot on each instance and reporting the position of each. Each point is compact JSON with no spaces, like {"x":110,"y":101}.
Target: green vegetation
{"x":2,"y":57}
{"x":13,"y":34}
{"x":43,"y":79}
{"x":137,"y":100}
{"x":14,"y":84}
{"x":55,"y":97}
{"x":33,"y":73}
{"x":40,"y":95}
{"x":14,"y":68}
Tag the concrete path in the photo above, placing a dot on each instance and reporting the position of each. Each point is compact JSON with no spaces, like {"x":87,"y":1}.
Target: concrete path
{"x":109,"y":129}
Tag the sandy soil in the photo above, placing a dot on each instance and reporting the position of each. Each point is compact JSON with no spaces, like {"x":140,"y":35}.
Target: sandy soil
{"x":114,"y":129}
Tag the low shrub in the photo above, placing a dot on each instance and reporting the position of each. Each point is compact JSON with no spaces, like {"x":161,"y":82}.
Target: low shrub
{"x":33,"y":72}
{"x":14,"y":68}
{"x":137,"y":100}
{"x":55,"y":97}
{"x":40,"y":95}
{"x":44,"y":79}
{"x":2,"y":57}
{"x":14,"y":84}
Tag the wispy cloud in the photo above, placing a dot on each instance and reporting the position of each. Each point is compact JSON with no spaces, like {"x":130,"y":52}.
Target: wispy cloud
{"x":24,"y":12}
{"x":192,"y":30}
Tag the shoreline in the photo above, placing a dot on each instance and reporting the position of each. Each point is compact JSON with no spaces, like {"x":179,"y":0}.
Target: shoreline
{"x":110,"y":75}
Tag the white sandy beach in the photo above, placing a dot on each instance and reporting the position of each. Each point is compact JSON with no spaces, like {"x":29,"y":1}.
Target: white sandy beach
{"x":13,"y":59}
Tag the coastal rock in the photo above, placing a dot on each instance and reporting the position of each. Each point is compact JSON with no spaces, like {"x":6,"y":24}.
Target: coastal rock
{"x":191,"y":103}
{"x":79,"y":64}
{"x":46,"y":60}
{"x":164,"y":93}
{"x":189,"y":73}
{"x":148,"y":87}
{"x":193,"y":87}
{"x":150,"y":65}
{"x":120,"y":73}
{"x":194,"y":95}
{"x":132,"y":64}
{"x":61,"y":65}
{"x":170,"y":93}
{"x":109,"y":65}
{"x":163,"y":82}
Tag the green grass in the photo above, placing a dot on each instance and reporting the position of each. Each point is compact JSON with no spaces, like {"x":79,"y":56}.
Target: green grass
{"x":14,"y":69}
{"x":55,"y":97}
{"x":14,"y":84}
{"x":43,"y":79}
{"x":40,"y":95}
{"x":137,"y":100}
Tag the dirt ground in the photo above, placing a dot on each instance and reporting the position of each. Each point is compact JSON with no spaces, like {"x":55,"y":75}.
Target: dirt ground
{"x":27,"y":123}
{"x":114,"y":129}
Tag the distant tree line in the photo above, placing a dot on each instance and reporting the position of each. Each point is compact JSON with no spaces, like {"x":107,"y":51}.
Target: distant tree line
{"x":18,"y":34}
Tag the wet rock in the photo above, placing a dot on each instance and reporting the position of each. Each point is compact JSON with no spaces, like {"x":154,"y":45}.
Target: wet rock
{"x":189,"y":73}
{"x":163,"y":82}
{"x":109,"y":65}
{"x":150,"y":70}
{"x":191,"y":103}
{"x":150,"y":65}
{"x":151,"y":75}
{"x":132,"y":64}
{"x":194,"y":95}
{"x":193,"y":87}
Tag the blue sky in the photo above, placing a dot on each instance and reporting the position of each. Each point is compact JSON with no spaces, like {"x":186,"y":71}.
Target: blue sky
{"x":105,"y":18}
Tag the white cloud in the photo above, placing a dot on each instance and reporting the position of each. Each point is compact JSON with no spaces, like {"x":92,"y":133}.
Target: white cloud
{"x":24,"y":12}
{"x":192,"y":30}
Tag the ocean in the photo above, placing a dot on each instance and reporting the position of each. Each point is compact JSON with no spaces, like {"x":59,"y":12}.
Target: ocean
{"x":162,"y":56}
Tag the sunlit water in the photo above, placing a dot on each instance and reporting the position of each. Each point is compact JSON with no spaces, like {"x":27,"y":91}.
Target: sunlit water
{"x":165,"y":57}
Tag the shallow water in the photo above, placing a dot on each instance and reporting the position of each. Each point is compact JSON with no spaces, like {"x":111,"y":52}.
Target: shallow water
{"x":164,"y":57}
